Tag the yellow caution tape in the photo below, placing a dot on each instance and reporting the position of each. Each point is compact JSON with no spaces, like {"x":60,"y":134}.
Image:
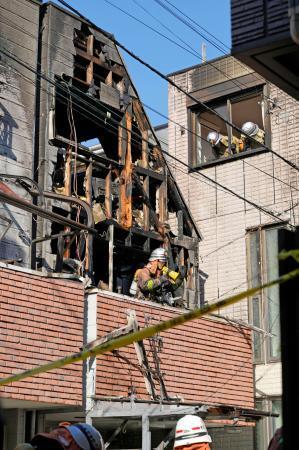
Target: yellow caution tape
{"x":145,"y":332}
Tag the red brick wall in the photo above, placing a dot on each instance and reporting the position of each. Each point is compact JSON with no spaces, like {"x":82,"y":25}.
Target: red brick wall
{"x":204,"y":360}
{"x":41,"y":320}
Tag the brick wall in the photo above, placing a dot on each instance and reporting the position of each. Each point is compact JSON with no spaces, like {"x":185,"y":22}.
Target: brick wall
{"x":205,"y":360}
{"x":41,"y":320}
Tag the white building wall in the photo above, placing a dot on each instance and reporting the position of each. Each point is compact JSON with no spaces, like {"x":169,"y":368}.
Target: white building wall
{"x":223,"y":218}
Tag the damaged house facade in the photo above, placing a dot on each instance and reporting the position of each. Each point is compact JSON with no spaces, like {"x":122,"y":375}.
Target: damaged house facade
{"x":248,"y":196}
{"x":86,"y":196}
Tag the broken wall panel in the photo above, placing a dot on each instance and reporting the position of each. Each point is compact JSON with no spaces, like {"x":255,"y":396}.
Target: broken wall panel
{"x":19,"y":24}
{"x":208,"y":362}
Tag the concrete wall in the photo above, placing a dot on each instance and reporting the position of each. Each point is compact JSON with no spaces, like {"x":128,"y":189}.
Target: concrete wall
{"x":19,"y":20}
{"x":41,"y":320}
{"x":207,"y":360}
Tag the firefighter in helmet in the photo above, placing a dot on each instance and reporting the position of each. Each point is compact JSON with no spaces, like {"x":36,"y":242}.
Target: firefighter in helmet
{"x":155,"y":281}
{"x":258,"y":136}
{"x":191,"y":434}
{"x":220,"y":145}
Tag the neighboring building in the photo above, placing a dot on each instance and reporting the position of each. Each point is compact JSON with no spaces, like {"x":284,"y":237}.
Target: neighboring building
{"x":265,"y":36}
{"x":240,"y":242}
{"x":76,"y":221}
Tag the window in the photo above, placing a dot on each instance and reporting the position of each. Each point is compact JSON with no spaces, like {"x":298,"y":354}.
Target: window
{"x":237,"y":109}
{"x":262,"y":250}
{"x":266,"y":427}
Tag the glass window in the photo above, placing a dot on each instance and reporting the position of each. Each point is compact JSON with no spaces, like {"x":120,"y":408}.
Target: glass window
{"x":272,"y":269}
{"x":276,"y":408}
{"x":257,"y":337}
{"x":264,"y":307}
{"x":237,"y":109}
{"x":259,"y":428}
{"x":266,"y":427}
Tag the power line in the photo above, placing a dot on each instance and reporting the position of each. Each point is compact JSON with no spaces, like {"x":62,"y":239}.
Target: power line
{"x":170,"y":81}
{"x":262,"y":209}
{"x":199,"y":26}
{"x":223,"y":51}
{"x":213,"y":111}
{"x":193,"y":52}
{"x":150,"y":28}
{"x":154,"y":110}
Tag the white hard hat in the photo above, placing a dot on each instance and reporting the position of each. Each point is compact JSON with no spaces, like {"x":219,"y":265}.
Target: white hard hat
{"x":250,"y":128}
{"x":158,"y":254}
{"x":86,"y":436}
{"x":190,"y":430}
{"x":213,"y":136}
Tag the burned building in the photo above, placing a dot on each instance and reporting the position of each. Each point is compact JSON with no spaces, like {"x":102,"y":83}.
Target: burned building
{"x":100,"y":189}
{"x":86,"y":196}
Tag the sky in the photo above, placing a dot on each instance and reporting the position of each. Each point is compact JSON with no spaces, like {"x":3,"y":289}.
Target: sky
{"x":213,"y":15}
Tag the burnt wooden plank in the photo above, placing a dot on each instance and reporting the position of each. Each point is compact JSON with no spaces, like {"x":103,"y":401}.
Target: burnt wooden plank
{"x":140,"y":116}
{"x":117,"y":69}
{"x":149,"y":173}
{"x":126,"y":181}
{"x":110,"y":95}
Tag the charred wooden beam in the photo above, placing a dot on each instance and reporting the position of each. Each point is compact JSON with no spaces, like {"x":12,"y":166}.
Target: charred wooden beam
{"x":126,"y":181}
{"x":116,"y":68}
{"x":88,"y":194}
{"x":140,"y":116}
{"x":150,"y":173}
{"x":89,"y":71}
{"x":153,"y":216}
{"x":177,"y":199}
{"x":108,"y":195}
{"x":146,"y":215}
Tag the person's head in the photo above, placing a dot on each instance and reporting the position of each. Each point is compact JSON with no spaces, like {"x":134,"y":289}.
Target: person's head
{"x":250,"y":128}
{"x":158,"y":258}
{"x":213,"y":138}
{"x":191,"y":430}
{"x":79,"y":436}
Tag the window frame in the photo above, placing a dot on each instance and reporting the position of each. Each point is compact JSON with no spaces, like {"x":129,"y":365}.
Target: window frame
{"x":267,"y":427}
{"x":192,"y":117}
{"x":265,"y":348}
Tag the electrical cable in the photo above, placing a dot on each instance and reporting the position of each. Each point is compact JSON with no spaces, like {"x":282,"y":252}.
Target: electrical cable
{"x":163,"y":151}
{"x":190,"y":131}
{"x":192,"y":51}
{"x":223,"y":51}
{"x":48,"y":44}
{"x":189,"y":25}
{"x":172,"y":83}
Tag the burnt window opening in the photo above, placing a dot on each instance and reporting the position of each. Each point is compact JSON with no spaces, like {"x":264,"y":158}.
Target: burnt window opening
{"x":122,"y":177}
{"x":80,"y":118}
{"x":213,"y":140}
{"x":95,"y":68}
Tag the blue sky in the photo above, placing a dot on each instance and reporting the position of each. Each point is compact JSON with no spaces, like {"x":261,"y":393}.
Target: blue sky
{"x":213,"y":15}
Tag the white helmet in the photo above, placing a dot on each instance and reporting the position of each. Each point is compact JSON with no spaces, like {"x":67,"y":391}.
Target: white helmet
{"x":190,"y":430}
{"x":86,"y":436}
{"x":158,"y":254}
{"x":213,"y":137}
{"x":250,"y":128}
